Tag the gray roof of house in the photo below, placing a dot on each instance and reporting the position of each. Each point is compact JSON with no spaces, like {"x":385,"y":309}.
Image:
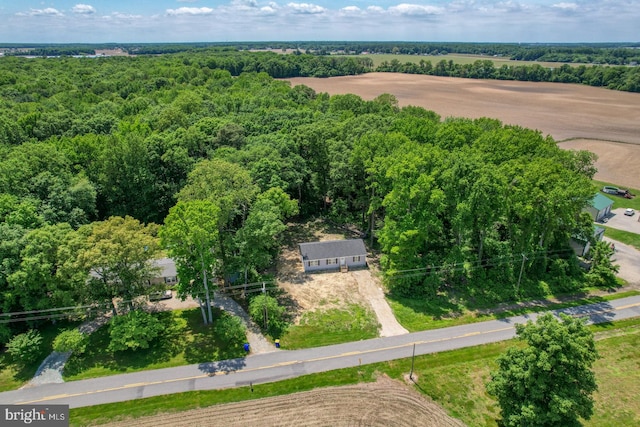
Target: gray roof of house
{"x":332,"y":249}
{"x":167,"y":267}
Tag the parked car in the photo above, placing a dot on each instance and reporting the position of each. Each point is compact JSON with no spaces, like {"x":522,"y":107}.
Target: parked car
{"x":160,"y":295}
{"x":629,"y":212}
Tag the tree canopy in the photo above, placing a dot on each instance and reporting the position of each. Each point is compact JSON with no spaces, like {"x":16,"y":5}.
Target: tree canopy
{"x":94,"y":152}
{"x":549,"y":381}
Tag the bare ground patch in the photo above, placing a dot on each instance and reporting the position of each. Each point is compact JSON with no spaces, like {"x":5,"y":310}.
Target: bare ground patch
{"x":597,"y":118}
{"x":322,"y":290}
{"x":385,"y":402}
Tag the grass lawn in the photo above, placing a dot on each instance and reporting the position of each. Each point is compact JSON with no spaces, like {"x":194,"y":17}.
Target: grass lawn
{"x":13,"y":376}
{"x":620,"y":202}
{"x":455,"y":379}
{"x":421,"y":315}
{"x":185,"y":341}
{"x":332,"y":326}
{"x":626,"y":237}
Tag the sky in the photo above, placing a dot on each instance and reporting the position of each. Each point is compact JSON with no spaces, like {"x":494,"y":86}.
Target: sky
{"x":147,"y":21}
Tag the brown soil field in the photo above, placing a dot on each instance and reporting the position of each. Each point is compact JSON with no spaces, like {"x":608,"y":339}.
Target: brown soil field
{"x":384,"y":403}
{"x":604,"y":121}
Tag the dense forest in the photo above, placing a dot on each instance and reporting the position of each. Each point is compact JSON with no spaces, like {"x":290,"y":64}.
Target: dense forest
{"x":613,"y":66}
{"x":107,"y":162}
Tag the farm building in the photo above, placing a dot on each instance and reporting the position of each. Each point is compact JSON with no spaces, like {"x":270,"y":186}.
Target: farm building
{"x":580,"y":246}
{"x":600,"y":207}
{"x":333,"y":255}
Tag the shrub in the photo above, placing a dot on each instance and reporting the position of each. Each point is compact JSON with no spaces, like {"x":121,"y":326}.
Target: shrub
{"x":25,"y":348}
{"x":231,"y":328}
{"x":276,"y":323}
{"x":133,"y":331}
{"x":72,"y":340}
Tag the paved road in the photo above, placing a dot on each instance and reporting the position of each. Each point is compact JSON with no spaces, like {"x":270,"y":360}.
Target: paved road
{"x":280,"y":365}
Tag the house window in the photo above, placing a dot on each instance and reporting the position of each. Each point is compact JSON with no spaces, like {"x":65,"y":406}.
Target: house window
{"x":356,"y":258}
{"x":170,"y":279}
{"x":314,"y":263}
{"x":332,"y":261}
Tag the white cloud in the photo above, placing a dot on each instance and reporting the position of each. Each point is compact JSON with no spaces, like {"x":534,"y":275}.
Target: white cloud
{"x":415,"y":9}
{"x":41,"y":12}
{"x":351,"y":9}
{"x":375,"y":9}
{"x":566,"y":6}
{"x":269,"y":10}
{"x":245,"y":4}
{"x":83,"y":9}
{"x":306,"y":8}
{"x":190,"y":11}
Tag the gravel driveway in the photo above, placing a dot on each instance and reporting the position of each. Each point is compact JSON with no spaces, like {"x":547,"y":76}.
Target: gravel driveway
{"x":628,"y":258}
{"x":623,"y":222}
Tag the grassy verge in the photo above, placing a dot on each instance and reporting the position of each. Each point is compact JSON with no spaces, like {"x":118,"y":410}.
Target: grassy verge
{"x":455,"y":379}
{"x":422,"y":315}
{"x":13,"y":376}
{"x":625,"y":237}
{"x":185,"y":341}
{"x":331,"y":326}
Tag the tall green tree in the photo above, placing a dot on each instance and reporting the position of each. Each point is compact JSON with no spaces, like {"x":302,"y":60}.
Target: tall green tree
{"x":190,"y":235}
{"x":118,"y":253}
{"x":549,"y":381}
{"x":228,"y":186}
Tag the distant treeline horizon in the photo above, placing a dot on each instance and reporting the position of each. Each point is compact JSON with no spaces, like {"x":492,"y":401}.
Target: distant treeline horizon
{"x":609,"y":65}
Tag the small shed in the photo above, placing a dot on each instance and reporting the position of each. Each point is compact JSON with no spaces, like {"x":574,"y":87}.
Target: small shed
{"x":580,"y":246}
{"x":333,"y":255}
{"x":600,"y":207}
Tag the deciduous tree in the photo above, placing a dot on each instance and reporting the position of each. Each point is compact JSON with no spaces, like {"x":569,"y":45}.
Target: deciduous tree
{"x":549,"y":381}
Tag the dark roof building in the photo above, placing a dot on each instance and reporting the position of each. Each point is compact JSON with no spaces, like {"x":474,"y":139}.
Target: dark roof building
{"x":333,"y":255}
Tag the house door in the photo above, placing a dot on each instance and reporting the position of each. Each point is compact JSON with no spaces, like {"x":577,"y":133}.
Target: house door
{"x":343,"y":261}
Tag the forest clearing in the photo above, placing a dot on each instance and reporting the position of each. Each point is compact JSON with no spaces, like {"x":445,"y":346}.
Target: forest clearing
{"x":578,"y":117}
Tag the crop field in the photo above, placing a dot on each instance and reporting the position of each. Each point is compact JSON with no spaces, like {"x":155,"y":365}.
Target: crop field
{"x":579,"y":117}
{"x":457,"y":59}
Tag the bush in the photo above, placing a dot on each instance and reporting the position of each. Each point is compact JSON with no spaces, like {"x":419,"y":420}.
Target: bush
{"x":72,"y":340}
{"x":276,"y":323}
{"x":133,"y":331}
{"x":231,"y":329}
{"x":25,"y":348}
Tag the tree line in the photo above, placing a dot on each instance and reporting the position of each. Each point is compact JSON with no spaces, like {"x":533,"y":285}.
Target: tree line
{"x":331,"y":63}
{"x":107,"y":164}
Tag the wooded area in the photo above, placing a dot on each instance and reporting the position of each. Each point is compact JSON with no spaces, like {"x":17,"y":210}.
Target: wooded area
{"x":95,"y":152}
{"x":614,"y":66}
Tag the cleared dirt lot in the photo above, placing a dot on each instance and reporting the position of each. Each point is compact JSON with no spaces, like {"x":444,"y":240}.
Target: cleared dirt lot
{"x":604,"y":121}
{"x":383,"y":403}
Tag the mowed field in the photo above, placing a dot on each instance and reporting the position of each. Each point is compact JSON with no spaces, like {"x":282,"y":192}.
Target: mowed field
{"x":580,"y":117}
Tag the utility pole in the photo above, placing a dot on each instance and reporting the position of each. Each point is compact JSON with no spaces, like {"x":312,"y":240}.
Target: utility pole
{"x":264,"y":301}
{"x":520,"y":276}
{"x":413,"y":358}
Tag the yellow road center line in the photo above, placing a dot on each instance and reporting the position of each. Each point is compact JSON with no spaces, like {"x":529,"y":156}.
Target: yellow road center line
{"x":292,"y":362}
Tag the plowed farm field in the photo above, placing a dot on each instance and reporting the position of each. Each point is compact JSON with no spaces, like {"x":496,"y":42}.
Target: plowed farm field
{"x":384,"y":403}
{"x":580,"y":117}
